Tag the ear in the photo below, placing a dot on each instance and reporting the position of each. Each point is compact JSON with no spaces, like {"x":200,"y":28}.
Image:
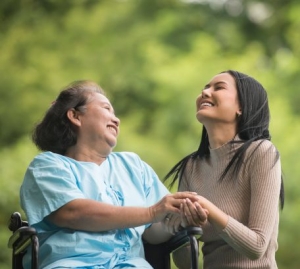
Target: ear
{"x":74,"y":117}
{"x":239,"y":112}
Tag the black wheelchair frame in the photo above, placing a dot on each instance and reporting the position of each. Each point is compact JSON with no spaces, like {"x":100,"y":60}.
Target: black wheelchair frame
{"x":157,"y":255}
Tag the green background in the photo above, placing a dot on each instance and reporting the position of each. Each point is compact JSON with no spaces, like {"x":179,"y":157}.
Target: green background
{"x":153,"y":59}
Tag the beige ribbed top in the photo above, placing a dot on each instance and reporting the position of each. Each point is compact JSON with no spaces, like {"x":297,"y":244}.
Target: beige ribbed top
{"x":251,"y":200}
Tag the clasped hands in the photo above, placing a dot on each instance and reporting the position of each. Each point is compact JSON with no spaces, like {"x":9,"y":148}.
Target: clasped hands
{"x":191,"y":214}
{"x":180,"y":210}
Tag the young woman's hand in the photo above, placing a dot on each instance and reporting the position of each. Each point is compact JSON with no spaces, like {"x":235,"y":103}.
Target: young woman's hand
{"x":192,"y":213}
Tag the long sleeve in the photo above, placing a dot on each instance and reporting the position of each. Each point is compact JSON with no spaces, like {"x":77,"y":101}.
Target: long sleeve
{"x":264,"y":172}
{"x":250,"y":198}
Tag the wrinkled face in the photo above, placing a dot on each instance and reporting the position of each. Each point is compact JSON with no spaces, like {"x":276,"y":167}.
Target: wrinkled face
{"x":218,"y":102}
{"x":98,"y":124}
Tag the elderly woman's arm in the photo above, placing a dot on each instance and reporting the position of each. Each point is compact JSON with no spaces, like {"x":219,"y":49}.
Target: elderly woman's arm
{"x":94,"y":216}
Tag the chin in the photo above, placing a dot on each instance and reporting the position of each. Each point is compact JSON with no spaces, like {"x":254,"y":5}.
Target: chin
{"x":113,"y":145}
{"x":200,"y":118}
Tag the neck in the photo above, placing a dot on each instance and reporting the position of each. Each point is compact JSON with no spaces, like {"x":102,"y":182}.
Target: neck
{"x":219,"y":138}
{"x":220,"y":146}
{"x":86,"y":156}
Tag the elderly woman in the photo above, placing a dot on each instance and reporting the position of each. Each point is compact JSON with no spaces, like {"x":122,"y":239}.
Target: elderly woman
{"x":89,"y":205}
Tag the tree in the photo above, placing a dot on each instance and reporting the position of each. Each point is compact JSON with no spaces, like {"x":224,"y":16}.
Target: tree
{"x":152,"y":58}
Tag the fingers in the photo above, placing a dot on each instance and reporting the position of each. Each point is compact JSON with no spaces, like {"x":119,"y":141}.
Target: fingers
{"x":193,"y":214}
{"x":168,"y":204}
{"x":172,"y":223}
{"x":190,"y":212}
{"x":177,"y":198}
{"x":171,"y":204}
{"x":184,"y":220}
{"x":202,"y":213}
{"x":185,"y":194}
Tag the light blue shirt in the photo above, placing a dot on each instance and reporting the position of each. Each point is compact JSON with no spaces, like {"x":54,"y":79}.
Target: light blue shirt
{"x":52,"y":180}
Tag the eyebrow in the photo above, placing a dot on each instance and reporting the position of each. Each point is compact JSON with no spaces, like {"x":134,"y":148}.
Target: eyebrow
{"x":218,"y":82}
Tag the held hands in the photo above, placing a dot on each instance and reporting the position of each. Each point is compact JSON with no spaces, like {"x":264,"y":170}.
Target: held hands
{"x":191,"y":214}
{"x":170,"y":204}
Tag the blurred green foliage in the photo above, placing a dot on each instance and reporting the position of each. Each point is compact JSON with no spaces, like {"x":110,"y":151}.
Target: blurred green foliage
{"x":152,"y":58}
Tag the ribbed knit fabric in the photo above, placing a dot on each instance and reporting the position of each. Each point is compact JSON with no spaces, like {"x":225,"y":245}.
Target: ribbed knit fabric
{"x":251,"y":200}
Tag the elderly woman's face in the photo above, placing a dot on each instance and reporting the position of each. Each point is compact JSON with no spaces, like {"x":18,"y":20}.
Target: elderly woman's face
{"x":98,"y":124}
{"x":218,"y":103}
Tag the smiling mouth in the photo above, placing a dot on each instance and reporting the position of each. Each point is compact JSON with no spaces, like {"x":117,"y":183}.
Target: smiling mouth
{"x":206,"y":104}
{"x":113,"y":128}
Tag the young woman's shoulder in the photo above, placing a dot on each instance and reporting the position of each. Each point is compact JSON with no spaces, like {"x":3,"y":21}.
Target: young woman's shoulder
{"x":262,"y":148}
{"x":263,"y":145}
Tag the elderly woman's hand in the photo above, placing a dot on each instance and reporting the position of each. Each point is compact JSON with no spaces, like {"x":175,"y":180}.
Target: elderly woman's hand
{"x":170,"y":204}
{"x":172,"y":223}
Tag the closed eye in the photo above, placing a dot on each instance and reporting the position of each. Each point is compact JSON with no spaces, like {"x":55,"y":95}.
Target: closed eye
{"x":207,"y":86}
{"x":110,"y":109}
{"x":219,"y":86}
{"x":216,"y":87}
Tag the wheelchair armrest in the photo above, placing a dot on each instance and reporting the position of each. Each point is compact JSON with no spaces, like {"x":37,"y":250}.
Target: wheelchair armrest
{"x":15,"y":222}
{"x":159,"y":255}
{"x":23,"y":236}
{"x":183,"y":238}
{"x":189,"y":235}
{"x":21,"y":239}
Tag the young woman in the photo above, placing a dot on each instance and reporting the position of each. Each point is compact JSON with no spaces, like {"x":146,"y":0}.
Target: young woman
{"x":237,"y":173}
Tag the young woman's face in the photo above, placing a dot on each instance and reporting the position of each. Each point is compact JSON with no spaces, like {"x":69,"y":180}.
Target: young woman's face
{"x":218,"y":103}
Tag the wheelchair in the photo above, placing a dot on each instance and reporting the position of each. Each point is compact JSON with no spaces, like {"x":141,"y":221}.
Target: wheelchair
{"x":157,"y":255}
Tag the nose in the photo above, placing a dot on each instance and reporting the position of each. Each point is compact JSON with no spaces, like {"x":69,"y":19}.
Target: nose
{"x":116,"y":121}
{"x":205,"y":93}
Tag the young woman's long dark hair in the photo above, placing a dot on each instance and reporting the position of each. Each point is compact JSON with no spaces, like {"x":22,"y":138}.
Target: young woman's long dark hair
{"x":253,"y":125}
{"x":55,"y":132}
